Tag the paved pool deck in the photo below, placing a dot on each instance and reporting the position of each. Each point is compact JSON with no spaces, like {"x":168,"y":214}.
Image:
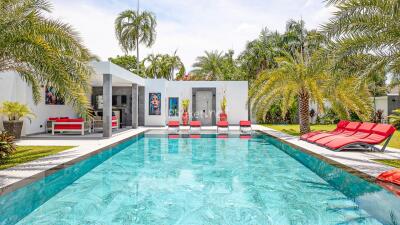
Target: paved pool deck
{"x":18,"y":176}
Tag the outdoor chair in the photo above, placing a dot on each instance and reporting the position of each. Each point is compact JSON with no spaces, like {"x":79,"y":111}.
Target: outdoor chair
{"x":195,"y":127}
{"x":245,"y":126}
{"x":222,"y":126}
{"x":339,"y":129}
{"x":348,"y":130}
{"x":173,"y":126}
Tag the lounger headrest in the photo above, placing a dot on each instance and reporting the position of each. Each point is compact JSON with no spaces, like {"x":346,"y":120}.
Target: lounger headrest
{"x":384,"y":129}
{"x":342,"y":124}
{"x":366,"y":127}
{"x":352,"y":126}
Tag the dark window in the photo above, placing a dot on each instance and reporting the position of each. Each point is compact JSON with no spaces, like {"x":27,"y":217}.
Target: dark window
{"x":123,"y":99}
{"x":114,"y":100}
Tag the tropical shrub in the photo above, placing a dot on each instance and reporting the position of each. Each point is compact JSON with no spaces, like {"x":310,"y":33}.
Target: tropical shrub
{"x":185,"y":105}
{"x":395,"y":118}
{"x":7,"y":145}
{"x":224,"y":103}
{"x":15,"y":111}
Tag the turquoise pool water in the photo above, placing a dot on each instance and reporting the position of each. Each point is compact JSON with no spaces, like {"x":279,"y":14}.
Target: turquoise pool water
{"x":154,"y":179}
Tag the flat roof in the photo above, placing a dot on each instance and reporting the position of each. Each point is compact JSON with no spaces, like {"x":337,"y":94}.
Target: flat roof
{"x":120,"y":76}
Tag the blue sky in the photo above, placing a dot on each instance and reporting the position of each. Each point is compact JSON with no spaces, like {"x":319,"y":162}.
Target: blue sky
{"x":188,"y":26}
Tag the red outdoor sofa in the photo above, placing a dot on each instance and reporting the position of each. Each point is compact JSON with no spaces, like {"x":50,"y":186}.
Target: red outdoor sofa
{"x":353,"y":135}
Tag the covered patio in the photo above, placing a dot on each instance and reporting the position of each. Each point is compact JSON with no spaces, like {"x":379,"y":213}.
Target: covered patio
{"x":117,"y":91}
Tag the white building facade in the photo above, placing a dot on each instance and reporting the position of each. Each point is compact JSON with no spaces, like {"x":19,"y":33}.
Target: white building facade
{"x":116,"y":91}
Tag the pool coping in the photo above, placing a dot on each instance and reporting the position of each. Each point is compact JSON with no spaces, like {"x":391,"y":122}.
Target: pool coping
{"x":41,"y":173}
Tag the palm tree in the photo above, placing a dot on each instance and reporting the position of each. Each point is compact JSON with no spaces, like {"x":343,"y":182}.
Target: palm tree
{"x":368,"y":27}
{"x":260,"y":53}
{"x":208,"y":66}
{"x":302,"y":78}
{"x":133,"y":28}
{"x":164,"y":66}
{"x":44,"y":51}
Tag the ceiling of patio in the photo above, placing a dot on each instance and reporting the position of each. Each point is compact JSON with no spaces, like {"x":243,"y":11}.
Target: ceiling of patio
{"x":120,"y":76}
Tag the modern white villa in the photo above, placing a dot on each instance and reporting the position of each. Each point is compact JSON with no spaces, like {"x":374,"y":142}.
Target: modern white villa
{"x":134,"y":101}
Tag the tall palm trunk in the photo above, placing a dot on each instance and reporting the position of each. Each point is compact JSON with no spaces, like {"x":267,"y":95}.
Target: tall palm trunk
{"x":137,"y":57}
{"x":304,"y":109}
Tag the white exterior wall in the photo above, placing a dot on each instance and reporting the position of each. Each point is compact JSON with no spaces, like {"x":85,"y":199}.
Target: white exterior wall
{"x":13,"y":88}
{"x":236,"y":93}
{"x":155,"y":86}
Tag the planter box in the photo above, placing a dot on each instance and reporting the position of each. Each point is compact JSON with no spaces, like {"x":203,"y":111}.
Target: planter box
{"x":13,"y":127}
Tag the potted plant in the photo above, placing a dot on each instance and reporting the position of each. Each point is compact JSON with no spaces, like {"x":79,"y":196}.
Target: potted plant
{"x":185,"y":115}
{"x":15,"y":112}
{"x":222,"y":115}
{"x":7,"y":145}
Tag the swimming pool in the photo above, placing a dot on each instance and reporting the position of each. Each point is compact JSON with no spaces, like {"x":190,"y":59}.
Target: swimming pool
{"x":156,"y":179}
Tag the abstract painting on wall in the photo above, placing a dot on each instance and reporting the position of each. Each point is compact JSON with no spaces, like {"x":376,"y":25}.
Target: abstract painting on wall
{"x":154,"y":103}
{"x":52,"y":98}
{"x":173,"y":107}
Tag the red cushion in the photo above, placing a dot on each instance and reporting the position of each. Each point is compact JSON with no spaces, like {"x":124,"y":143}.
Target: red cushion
{"x":342,"y":124}
{"x":195,"y":123}
{"x":69,"y":126}
{"x":366,"y":127}
{"x":114,"y":118}
{"x":222,"y":124}
{"x":384,"y":129}
{"x":392,"y":176}
{"x":245,"y":123}
{"x":352,"y":126}
{"x":114,"y":124}
{"x":173,"y":123}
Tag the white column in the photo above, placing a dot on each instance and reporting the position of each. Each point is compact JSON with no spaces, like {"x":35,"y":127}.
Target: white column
{"x":107,"y":105}
{"x":135,"y":110}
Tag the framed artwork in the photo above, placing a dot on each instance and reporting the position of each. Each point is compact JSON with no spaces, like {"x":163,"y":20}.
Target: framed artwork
{"x":173,"y":107}
{"x":52,"y":98}
{"x":154,"y":103}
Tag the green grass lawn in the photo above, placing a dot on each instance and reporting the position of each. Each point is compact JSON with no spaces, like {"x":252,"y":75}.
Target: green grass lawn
{"x":28,"y":153}
{"x":294,"y":129}
{"x":389,"y":162}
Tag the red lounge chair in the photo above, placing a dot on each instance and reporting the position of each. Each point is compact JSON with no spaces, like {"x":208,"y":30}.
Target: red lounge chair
{"x":245,"y":126}
{"x":173,"y":126}
{"x":70,"y":125}
{"x":350,"y":129}
{"x":339,"y":129}
{"x":379,"y":134}
{"x":363,"y":131}
{"x":391,"y":176}
{"x":195,"y":126}
{"x":222,"y":125}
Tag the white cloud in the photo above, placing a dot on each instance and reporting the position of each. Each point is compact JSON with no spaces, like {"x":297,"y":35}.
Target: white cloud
{"x":189,"y":26}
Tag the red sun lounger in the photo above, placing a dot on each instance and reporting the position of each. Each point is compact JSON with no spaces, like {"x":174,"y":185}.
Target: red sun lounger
{"x":379,"y":134}
{"x":339,"y":129}
{"x":391,"y":176}
{"x":222,"y":125}
{"x":350,"y":129}
{"x":363,"y":131}
{"x":195,"y":126}
{"x":245,"y":126}
{"x":173,"y":126}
